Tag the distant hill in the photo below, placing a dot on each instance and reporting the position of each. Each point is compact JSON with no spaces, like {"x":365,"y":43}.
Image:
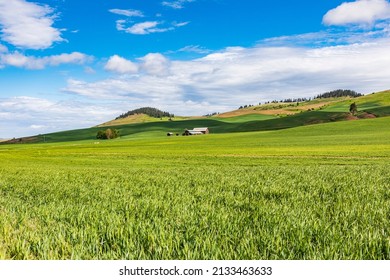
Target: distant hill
{"x":140,"y":115}
{"x":270,"y":116}
{"x":339,"y":93}
{"x":151,"y":112}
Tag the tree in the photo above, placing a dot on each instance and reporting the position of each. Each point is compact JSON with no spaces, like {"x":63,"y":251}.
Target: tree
{"x":353,"y":108}
{"x":101,"y":134}
{"x":150,"y":111}
{"x":109,"y":133}
{"x":339,"y":93}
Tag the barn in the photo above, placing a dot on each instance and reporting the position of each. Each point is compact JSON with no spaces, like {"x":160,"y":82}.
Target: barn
{"x":203,"y":130}
{"x":192,"y":132}
{"x":197,"y":131}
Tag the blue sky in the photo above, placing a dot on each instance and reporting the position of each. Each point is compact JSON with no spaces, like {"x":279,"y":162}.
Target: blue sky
{"x":68,"y":64}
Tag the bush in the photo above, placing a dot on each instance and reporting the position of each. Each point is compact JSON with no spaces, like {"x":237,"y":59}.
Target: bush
{"x":109,"y":133}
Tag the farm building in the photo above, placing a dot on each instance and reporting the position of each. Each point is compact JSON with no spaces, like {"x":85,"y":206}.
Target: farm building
{"x":203,"y":130}
{"x":197,"y":131}
{"x":192,"y":132}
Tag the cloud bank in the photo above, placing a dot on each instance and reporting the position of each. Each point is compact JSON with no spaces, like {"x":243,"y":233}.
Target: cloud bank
{"x":226,"y":79}
{"x":31,"y":116}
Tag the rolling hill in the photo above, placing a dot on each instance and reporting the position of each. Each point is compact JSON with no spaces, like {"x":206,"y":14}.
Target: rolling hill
{"x":272,"y":116}
{"x":317,"y":191}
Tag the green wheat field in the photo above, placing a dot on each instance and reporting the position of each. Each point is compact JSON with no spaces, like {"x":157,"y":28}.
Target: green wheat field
{"x":311,"y":192}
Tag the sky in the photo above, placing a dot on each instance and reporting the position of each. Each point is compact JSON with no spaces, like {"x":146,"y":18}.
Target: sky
{"x":67,"y":64}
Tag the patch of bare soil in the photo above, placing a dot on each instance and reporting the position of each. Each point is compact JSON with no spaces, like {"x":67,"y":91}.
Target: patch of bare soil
{"x":23,"y":140}
{"x":350,"y":117}
{"x":366,"y":115}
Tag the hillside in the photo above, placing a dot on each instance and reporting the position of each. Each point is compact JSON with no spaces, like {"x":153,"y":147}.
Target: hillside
{"x":310,"y":192}
{"x":139,"y":118}
{"x":272,"y":116}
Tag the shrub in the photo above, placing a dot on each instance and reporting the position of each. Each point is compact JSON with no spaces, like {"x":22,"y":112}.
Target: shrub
{"x":109,"y":133}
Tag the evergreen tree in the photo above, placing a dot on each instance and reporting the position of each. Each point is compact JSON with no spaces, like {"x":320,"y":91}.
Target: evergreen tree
{"x":353,"y":108}
{"x":152,"y":112}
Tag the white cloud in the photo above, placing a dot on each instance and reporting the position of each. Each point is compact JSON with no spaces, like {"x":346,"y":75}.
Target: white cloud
{"x":217,"y":82}
{"x":128,"y":13}
{"x":89,"y":70}
{"x":143,"y":28}
{"x":24,"y":116}
{"x":180,"y":24}
{"x":28,"y":25}
{"x":177,"y":4}
{"x":38,"y":126}
{"x":3,"y":49}
{"x":20,"y":60}
{"x":194,"y":49}
{"x":121,"y":65}
{"x":330,"y":37}
{"x":148,"y":27}
{"x":235,"y":76}
{"x":155,"y":64}
{"x":358,"y":12}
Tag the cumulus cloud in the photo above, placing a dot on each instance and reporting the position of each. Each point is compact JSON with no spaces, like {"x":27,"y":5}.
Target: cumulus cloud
{"x":20,"y":60}
{"x":219,"y":81}
{"x":127,"y":13}
{"x":226,"y":79}
{"x":28,"y":25}
{"x":358,"y":12}
{"x":121,"y":65}
{"x":155,"y":64}
{"x":177,"y":4}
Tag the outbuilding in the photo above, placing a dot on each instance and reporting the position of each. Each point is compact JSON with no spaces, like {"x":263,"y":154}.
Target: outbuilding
{"x":192,"y":132}
{"x":203,"y":130}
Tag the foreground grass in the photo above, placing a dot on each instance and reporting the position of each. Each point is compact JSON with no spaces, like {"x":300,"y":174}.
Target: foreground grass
{"x":316,"y":192}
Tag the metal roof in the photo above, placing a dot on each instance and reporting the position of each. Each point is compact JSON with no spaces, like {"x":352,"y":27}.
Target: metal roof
{"x":200,"y":128}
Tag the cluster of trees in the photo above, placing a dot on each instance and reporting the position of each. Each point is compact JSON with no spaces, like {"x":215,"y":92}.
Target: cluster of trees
{"x":109,"y":133}
{"x":153,"y":112}
{"x":334,"y":93}
{"x":288,"y":100}
{"x":246,"y":106}
{"x":212,"y":114}
{"x":339,"y":93}
{"x":295,"y":100}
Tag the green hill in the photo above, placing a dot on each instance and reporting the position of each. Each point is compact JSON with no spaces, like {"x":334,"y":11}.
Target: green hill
{"x":258,"y":118}
{"x":316,"y":192}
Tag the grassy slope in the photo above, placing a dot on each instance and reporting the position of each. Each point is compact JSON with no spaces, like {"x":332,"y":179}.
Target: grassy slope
{"x":312,"y":192}
{"x":138,"y":118}
{"x":243,"y":120}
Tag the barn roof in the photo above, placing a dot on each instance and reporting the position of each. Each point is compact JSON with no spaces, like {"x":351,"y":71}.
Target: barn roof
{"x":200,"y":128}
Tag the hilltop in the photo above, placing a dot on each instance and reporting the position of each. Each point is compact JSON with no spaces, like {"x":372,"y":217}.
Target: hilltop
{"x":141,"y":115}
{"x":270,"y":116}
